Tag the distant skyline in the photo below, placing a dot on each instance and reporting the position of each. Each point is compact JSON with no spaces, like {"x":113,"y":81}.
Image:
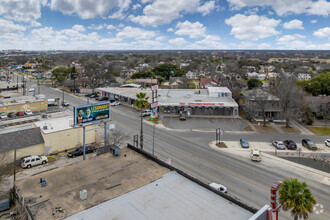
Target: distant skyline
{"x":164,"y":24}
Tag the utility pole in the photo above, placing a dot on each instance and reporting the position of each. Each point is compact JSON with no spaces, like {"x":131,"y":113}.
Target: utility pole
{"x":84,"y":145}
{"x":14,"y":167}
{"x":153,"y":141}
{"x":63,"y":95}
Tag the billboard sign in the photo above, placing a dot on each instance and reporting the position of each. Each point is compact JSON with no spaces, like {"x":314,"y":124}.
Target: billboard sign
{"x":91,"y":113}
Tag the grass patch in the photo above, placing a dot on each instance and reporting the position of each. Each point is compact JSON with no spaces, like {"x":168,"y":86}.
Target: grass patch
{"x":221,"y":145}
{"x":155,"y":120}
{"x":320,"y":130}
{"x":51,"y":159}
{"x":291,"y":130}
{"x":247,"y":128}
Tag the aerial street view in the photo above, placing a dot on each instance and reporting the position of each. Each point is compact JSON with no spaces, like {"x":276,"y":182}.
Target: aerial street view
{"x":163,"y":109}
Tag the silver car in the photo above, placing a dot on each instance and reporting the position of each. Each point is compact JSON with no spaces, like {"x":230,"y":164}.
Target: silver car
{"x":279,"y":145}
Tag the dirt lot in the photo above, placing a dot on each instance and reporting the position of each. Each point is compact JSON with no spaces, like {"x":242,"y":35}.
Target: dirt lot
{"x":104,"y":177}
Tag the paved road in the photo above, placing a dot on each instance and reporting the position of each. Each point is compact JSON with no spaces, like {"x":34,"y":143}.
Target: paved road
{"x":189,"y":151}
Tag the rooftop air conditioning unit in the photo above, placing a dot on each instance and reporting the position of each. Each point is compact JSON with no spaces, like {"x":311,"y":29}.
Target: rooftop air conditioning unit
{"x":45,"y":127}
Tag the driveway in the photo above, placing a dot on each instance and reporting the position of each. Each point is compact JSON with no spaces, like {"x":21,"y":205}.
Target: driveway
{"x":226,"y":124}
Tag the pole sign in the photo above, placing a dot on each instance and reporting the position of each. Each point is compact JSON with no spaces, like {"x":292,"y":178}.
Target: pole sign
{"x":274,"y":197}
{"x":155,"y":87}
{"x":91,"y":113}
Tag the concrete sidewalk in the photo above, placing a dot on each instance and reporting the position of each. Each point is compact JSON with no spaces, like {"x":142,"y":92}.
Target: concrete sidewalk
{"x":307,"y":172}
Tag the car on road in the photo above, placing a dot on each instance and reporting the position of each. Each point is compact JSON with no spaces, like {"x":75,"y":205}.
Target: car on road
{"x":28,"y":112}
{"x":279,"y":145}
{"x":20,"y":114}
{"x":219,"y":187}
{"x":244,"y":143}
{"x":255,"y":155}
{"x":89,"y":94}
{"x":80,"y":151}
{"x":94,"y":96}
{"x":290,"y":145}
{"x":65,"y":104}
{"x":308,"y":144}
{"x":115,"y":103}
{"x":3,"y":115}
{"x":31,"y":161}
{"x":146,"y":113}
{"x":102,"y":98}
{"x":182,"y":117}
{"x":327,"y":142}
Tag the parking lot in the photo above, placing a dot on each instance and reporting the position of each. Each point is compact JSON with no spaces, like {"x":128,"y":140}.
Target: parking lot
{"x":227,"y":124}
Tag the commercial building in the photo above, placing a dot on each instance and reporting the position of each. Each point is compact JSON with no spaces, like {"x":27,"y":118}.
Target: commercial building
{"x":59,"y":134}
{"x":23,"y":103}
{"x":210,"y":101}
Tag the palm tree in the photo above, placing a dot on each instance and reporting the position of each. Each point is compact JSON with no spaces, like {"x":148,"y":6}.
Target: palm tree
{"x":296,"y":196}
{"x":141,"y":103}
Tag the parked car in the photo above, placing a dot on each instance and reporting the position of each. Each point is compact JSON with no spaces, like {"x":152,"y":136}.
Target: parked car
{"x":89,"y":94}
{"x":3,"y":115}
{"x":146,"y":113}
{"x":94,"y":96}
{"x":327,"y":142}
{"x":65,"y":104}
{"x":20,"y":114}
{"x":255,"y":155}
{"x":219,"y":187}
{"x":80,"y":151}
{"x":182,"y":117}
{"x":102,"y":98}
{"x":115,"y":103}
{"x":279,"y":145}
{"x":291,"y":145}
{"x":12,"y":115}
{"x":31,"y":161}
{"x":244,"y":143}
{"x":28,"y":112}
{"x":309,"y":144}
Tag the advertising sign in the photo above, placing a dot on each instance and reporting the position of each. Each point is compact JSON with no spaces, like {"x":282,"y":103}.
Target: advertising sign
{"x":155,"y":87}
{"x":91,"y":113}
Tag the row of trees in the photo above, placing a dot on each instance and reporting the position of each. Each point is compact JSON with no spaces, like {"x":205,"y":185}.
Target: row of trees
{"x":319,"y":85}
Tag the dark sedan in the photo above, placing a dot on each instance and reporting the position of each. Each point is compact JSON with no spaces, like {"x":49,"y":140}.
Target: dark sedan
{"x":79,"y":151}
{"x":290,"y":145}
{"x":308,"y":144}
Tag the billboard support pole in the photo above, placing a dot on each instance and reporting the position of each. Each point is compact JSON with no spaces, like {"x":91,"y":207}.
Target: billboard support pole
{"x":105,"y":135}
{"x":84,"y":145}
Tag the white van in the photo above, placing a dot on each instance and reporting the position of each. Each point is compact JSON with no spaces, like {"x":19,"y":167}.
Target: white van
{"x":31,"y":161}
{"x":146,"y":113}
{"x":255,"y":155}
{"x":219,"y":187}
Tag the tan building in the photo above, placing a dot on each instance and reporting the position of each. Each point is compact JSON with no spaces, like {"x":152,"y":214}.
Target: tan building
{"x":59,"y":134}
{"x":19,"y":104}
{"x":25,"y":140}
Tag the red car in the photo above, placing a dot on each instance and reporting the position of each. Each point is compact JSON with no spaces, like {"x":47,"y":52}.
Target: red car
{"x":20,"y":113}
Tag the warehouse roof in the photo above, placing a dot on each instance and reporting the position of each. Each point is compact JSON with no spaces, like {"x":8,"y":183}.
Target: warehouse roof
{"x":20,"y":139}
{"x":170,"y":197}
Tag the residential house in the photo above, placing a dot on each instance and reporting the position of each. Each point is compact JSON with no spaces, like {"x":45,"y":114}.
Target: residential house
{"x":207,"y":82}
{"x":304,"y":76}
{"x":319,"y":105}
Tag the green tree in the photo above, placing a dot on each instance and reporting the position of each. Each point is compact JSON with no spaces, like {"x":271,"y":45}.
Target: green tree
{"x":166,"y":70}
{"x":295,"y":196}
{"x":141,"y":102}
{"x":61,"y":74}
{"x":319,"y":85}
{"x":160,"y":80}
{"x":253,"y":83}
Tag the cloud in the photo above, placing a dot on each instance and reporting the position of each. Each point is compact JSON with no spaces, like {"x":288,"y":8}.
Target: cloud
{"x":79,"y":28}
{"x":136,"y":33}
{"x":193,"y":30}
{"x":320,"y":7}
{"x":291,"y":42}
{"x":323,"y":32}
{"x":136,"y":6}
{"x":178,"y":41}
{"x":314,"y":21}
{"x":294,"y":24}
{"x":252,"y":27}
{"x":22,"y":10}
{"x":210,"y":42}
{"x":9,"y":28}
{"x":161,"y":12}
{"x":87,"y":9}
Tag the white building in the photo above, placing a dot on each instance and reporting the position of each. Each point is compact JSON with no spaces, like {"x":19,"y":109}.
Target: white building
{"x":304,"y":76}
{"x":210,"y":101}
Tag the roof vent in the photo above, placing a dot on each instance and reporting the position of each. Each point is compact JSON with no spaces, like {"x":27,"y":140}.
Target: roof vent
{"x":45,"y":127}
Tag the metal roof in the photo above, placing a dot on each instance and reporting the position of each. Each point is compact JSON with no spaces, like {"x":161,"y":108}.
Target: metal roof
{"x":170,"y":197}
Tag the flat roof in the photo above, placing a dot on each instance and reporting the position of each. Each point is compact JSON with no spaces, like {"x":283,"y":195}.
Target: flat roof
{"x":55,"y":124}
{"x":177,"y":97}
{"x":170,"y":197}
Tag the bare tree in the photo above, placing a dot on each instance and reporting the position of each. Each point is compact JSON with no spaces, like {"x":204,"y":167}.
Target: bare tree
{"x":290,"y":97}
{"x":324,"y":158}
{"x":117,"y":137}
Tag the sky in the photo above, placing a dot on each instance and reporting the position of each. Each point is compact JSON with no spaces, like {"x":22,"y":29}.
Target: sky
{"x":164,"y":24}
